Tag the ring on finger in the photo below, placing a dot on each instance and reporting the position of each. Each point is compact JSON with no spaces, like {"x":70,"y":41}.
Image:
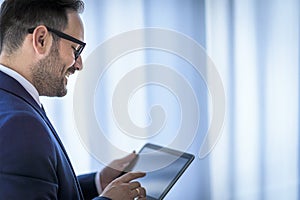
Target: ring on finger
{"x":138,"y":191}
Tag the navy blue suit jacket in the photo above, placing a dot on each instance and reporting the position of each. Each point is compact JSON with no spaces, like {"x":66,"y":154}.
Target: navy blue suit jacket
{"x":33,"y":161}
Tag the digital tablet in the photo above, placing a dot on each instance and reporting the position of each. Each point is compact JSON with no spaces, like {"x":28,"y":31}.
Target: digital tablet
{"x":163,"y":166}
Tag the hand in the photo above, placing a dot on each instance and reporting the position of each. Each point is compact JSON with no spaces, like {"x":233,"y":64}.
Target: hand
{"x":122,"y":189}
{"x":115,"y":169}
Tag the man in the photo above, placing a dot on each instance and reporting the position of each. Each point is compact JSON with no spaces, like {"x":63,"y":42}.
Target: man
{"x":40,"y":46}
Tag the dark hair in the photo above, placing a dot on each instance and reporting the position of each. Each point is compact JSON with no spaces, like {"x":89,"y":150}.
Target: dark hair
{"x":17,"y":16}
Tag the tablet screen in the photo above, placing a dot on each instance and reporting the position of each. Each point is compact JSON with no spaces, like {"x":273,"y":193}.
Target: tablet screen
{"x":163,"y":167}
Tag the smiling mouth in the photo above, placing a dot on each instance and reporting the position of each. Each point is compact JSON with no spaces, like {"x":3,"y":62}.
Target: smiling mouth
{"x":70,"y":72}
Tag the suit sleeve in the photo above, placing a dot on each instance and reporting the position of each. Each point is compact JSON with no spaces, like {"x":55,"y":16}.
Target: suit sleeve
{"x":89,"y":190}
{"x":88,"y":187}
{"x":27,"y":159}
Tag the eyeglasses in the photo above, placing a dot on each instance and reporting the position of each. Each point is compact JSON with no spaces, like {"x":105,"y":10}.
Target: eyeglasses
{"x":77,"y":51}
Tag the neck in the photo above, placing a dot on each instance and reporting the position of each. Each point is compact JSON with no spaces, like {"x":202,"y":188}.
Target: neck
{"x":14,"y":62}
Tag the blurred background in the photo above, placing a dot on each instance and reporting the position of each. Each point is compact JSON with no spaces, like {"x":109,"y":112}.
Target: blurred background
{"x":255,"y":47}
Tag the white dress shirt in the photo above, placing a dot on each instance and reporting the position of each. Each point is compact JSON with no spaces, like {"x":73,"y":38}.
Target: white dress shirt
{"x":23,"y":81}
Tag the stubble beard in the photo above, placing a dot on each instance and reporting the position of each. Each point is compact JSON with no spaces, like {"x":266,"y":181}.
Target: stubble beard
{"x":48,"y":75}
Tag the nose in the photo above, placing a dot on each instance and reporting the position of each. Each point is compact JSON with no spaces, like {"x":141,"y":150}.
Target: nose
{"x":78,"y":63}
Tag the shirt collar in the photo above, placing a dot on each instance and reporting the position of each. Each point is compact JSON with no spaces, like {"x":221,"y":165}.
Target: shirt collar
{"x":23,"y":81}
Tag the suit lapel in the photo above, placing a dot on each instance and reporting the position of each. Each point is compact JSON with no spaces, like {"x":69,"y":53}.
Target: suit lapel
{"x":12,"y":86}
{"x":43,"y":114}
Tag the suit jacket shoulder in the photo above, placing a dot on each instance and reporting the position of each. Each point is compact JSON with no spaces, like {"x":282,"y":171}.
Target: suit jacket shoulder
{"x":34,"y":164}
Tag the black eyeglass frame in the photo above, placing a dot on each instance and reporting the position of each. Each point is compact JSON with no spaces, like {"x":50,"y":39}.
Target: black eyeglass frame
{"x":60,"y":34}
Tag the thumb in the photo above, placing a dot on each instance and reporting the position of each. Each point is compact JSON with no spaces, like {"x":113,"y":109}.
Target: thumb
{"x":125,"y":161}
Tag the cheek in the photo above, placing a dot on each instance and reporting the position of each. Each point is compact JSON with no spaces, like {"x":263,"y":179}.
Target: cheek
{"x":67,"y":55}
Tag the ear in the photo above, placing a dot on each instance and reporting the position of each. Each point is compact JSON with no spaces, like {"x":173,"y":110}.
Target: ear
{"x":42,"y":40}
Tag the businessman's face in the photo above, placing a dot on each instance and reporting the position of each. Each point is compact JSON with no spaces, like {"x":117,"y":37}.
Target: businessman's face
{"x":50,"y":75}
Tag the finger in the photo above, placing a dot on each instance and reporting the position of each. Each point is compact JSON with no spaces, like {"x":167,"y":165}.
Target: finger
{"x":139,"y":192}
{"x":121,"y":163}
{"x":133,"y":185}
{"x":128,"y":158}
{"x":126,"y":178}
{"x":142,"y":192}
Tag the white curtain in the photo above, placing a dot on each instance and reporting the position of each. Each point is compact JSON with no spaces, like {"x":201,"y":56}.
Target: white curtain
{"x":255,"y":47}
{"x":255,"y":44}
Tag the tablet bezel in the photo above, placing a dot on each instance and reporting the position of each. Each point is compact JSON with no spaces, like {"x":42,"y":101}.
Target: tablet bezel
{"x":189,"y":157}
